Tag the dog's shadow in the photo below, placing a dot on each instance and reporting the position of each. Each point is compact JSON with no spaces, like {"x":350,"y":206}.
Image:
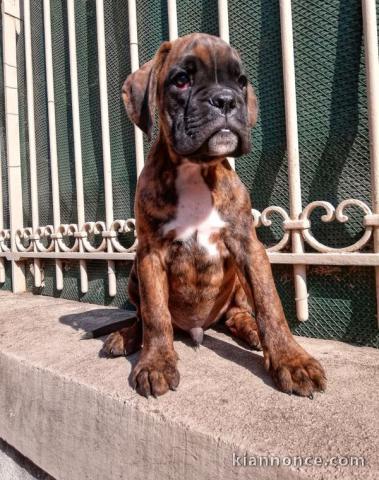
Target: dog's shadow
{"x":237,"y":352}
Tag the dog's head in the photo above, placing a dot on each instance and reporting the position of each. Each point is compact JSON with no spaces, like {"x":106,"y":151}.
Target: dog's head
{"x":206,"y":105}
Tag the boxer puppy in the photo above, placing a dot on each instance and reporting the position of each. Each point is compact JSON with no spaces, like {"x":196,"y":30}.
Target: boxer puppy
{"x":198,"y":257}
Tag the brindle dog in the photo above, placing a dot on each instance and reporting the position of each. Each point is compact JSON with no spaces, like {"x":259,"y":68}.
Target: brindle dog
{"x":198,"y":257}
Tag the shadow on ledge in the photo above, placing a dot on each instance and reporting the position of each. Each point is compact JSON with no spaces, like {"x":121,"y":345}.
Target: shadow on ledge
{"x":238,"y":353}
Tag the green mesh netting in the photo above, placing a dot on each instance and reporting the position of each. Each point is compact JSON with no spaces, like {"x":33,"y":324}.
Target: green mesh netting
{"x":333,"y":135}
{"x":3,"y":150}
{"x":333,"y":141}
{"x":4,"y":165}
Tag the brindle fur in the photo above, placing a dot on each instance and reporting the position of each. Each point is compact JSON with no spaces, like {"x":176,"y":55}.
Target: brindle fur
{"x":176,"y":284}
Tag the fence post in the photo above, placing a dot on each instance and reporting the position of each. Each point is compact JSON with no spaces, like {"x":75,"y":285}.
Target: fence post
{"x":300,"y":275}
{"x":52,"y":136}
{"x":105,"y":137}
{"x":2,"y":261}
{"x":172,"y":20}
{"x":223,"y":28}
{"x":32,"y":137}
{"x":134,"y":60}
{"x":223,"y":20}
{"x":370,"y":31}
{"x":11,"y":27}
{"x":77,"y":136}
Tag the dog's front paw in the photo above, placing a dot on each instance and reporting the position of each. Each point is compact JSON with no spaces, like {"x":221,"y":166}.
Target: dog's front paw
{"x":156,"y":375}
{"x":295,"y":371}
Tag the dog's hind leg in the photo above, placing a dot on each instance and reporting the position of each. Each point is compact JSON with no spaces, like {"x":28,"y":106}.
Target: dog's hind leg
{"x":127,"y":340}
{"x":240,"y":320}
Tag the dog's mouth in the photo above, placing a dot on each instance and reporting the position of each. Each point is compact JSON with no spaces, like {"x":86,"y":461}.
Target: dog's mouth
{"x":214,"y":140}
{"x":223,"y":142}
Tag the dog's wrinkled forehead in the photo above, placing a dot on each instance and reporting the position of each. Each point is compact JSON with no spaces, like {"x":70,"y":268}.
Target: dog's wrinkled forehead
{"x":205,"y":53}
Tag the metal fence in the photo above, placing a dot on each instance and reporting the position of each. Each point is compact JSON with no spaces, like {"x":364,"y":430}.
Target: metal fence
{"x":85,"y":241}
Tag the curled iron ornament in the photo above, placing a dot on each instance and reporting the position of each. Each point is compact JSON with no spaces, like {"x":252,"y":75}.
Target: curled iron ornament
{"x":65,"y":231}
{"x":124,"y":226}
{"x":93,"y":229}
{"x":25,"y":238}
{"x":4,"y":239}
{"x":24,"y":235}
{"x":47,"y":233}
{"x":303,"y":224}
{"x":263,"y":219}
{"x":339,"y":215}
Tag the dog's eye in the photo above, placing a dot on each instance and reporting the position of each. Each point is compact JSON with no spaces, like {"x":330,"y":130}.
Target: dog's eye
{"x":242,"y":81}
{"x":181,"y":80}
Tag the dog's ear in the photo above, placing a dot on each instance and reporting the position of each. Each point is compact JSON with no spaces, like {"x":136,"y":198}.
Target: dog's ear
{"x":252,"y":106}
{"x":139,"y":91}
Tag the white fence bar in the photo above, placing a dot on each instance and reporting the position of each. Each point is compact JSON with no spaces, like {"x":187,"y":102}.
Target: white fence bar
{"x":301,"y":293}
{"x":223,"y":27}
{"x":134,"y":59}
{"x":372,"y":74}
{"x":172,"y":20}
{"x":223,"y":20}
{"x":2,"y":263}
{"x":337,"y":259}
{"x":52,"y":135}
{"x":32,"y":136}
{"x":105,"y":138}
{"x":11,"y":26}
{"x":77,"y":136}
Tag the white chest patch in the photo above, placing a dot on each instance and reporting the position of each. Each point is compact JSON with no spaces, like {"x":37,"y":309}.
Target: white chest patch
{"x":195,"y":212}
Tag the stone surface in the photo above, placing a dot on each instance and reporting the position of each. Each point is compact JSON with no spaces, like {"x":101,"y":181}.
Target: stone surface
{"x":75,"y":415}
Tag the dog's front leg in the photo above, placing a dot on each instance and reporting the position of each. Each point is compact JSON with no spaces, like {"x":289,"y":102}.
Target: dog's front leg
{"x":291,"y":367}
{"x":156,"y":372}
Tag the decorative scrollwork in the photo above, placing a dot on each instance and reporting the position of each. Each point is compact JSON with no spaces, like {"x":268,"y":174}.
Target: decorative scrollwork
{"x":263,"y":219}
{"x":47,"y":238}
{"x":303,"y":223}
{"x":339,"y":215}
{"x":24,"y":236}
{"x":4,"y":239}
{"x":65,"y":231}
{"x":95,"y":237}
{"x":124,"y":226}
{"x":46,"y":233}
{"x":93,"y":229}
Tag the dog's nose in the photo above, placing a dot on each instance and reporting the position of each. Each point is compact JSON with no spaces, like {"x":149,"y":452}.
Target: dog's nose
{"x":224,"y":101}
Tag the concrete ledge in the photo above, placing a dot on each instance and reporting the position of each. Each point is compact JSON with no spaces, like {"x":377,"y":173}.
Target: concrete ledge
{"x":75,"y":415}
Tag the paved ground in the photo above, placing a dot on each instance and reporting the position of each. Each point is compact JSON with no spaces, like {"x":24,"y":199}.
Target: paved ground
{"x":14,"y":466}
{"x":75,"y":415}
